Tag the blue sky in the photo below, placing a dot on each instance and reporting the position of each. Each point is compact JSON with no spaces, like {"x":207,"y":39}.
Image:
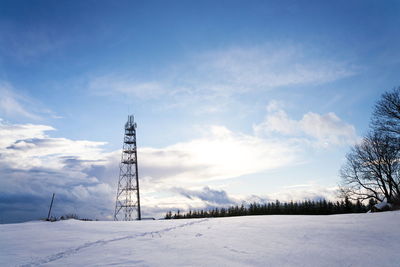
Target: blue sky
{"x":235,"y":100}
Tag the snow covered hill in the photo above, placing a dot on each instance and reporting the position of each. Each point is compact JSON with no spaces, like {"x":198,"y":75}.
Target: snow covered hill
{"x":338,"y":240}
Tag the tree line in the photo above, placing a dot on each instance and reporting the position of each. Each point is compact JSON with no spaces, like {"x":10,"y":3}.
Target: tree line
{"x":307,"y":207}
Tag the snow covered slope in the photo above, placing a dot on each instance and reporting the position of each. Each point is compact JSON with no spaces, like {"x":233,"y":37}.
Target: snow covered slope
{"x":339,"y":240}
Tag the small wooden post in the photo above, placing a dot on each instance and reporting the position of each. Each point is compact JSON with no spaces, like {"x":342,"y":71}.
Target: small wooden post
{"x":51,"y":205}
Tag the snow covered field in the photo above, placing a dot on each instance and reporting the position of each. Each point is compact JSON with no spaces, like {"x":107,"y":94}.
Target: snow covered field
{"x":338,"y":240}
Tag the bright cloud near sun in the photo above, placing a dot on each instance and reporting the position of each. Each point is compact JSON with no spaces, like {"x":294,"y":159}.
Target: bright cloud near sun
{"x":220,"y":154}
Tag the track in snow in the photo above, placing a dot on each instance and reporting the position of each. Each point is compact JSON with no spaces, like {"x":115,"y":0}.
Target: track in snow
{"x":75,"y":250}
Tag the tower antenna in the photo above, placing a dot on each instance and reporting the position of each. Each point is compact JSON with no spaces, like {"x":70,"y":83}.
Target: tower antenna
{"x":128,"y":198}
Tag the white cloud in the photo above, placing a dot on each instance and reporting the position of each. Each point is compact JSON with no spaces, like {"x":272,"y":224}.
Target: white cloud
{"x":327,"y":129}
{"x":127,"y":86}
{"x":212,"y":77}
{"x":13,"y":104}
{"x":26,"y":146}
{"x":277,"y":120}
{"x":10,"y":133}
{"x":243,"y":69}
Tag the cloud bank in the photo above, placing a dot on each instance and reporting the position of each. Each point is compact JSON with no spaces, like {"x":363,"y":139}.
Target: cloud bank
{"x":33,"y":165}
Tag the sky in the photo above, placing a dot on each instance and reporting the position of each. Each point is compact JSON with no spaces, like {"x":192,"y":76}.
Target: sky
{"x":235,"y":101}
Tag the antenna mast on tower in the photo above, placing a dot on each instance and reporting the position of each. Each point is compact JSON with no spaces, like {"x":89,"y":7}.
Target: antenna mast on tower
{"x":128,"y":199}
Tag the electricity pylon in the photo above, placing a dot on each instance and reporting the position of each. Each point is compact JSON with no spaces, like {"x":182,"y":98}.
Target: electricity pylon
{"x":128,"y":198}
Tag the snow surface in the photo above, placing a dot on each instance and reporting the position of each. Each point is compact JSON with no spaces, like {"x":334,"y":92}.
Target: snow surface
{"x":371,"y":239}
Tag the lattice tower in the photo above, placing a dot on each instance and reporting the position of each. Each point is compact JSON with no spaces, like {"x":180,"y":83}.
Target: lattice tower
{"x":128,"y":198}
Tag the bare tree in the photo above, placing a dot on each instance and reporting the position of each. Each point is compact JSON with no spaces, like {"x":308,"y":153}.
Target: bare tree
{"x":386,"y":115}
{"x":372,"y":169}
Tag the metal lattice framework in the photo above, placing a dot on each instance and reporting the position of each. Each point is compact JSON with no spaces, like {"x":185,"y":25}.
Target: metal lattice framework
{"x":128,"y":199}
